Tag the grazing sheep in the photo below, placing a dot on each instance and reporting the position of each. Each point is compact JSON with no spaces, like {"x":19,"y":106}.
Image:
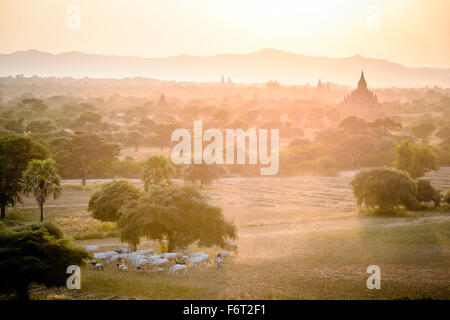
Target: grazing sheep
{"x":169,"y":255}
{"x":158,"y":262}
{"x":144,"y":251}
{"x":91,"y":248}
{"x":224,"y":254}
{"x":198,"y":259}
{"x":233,"y":248}
{"x":98,"y":266}
{"x":178,"y":268}
{"x":122,"y":250}
{"x":122,"y":267}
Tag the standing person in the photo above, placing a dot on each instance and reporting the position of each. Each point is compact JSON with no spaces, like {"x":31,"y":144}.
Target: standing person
{"x":219,"y":260}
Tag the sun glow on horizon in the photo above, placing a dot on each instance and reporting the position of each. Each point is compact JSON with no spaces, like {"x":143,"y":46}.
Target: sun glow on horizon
{"x":413,"y":32}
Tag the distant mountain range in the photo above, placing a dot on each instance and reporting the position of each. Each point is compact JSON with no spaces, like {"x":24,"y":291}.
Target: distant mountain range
{"x":259,"y":66}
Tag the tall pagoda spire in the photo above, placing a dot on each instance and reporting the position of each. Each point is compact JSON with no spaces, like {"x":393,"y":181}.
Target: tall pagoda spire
{"x":362,"y":84}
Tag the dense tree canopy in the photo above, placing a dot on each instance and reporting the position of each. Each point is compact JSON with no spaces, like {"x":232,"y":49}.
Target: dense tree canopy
{"x":15,"y":153}
{"x":83,"y":154}
{"x":415,"y":159}
{"x":384,"y":189}
{"x":33,"y":255}
{"x":85,"y":118}
{"x":106,"y":202}
{"x":181,"y":215}
{"x":40,"y":126}
{"x":36,"y":105}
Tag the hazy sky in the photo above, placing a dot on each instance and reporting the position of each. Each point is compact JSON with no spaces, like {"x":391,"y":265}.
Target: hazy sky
{"x":411,"y":32}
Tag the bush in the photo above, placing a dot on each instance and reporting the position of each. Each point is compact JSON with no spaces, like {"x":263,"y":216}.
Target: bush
{"x":385,"y":189}
{"x":50,"y":227}
{"x":34,"y":256}
{"x":427,"y":193}
{"x":447,"y":198}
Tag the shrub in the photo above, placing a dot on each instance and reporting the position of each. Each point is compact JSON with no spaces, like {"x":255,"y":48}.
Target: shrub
{"x":384,"y":189}
{"x":427,"y":193}
{"x":447,"y":198}
{"x":34,"y":256}
{"x":50,"y":227}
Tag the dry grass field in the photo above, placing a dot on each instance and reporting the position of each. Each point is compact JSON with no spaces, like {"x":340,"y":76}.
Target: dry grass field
{"x":299,"y":238}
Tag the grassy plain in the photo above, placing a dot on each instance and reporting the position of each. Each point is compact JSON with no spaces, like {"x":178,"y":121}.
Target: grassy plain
{"x":299,"y":238}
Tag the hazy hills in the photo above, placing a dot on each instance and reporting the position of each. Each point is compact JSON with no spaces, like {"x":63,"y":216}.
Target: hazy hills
{"x":259,"y":66}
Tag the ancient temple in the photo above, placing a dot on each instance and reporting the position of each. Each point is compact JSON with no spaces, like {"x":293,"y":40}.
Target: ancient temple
{"x":361,"y":97}
{"x":162,"y":101}
{"x":319,"y":84}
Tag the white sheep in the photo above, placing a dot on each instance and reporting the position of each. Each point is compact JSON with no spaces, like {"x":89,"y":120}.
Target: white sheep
{"x":91,"y":248}
{"x":178,"y":268}
{"x":158,"y":262}
{"x":233,"y":248}
{"x":122,"y":250}
{"x":169,"y":255}
{"x":122,"y":267}
{"x":144,"y":251}
{"x":197,"y":260}
{"x":98,"y":266}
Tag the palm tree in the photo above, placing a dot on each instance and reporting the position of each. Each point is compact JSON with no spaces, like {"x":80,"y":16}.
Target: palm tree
{"x":157,"y":170}
{"x":42,"y":180}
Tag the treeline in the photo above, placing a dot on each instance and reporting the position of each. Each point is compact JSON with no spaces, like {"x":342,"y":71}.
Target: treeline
{"x":86,"y":142}
{"x":357,"y":143}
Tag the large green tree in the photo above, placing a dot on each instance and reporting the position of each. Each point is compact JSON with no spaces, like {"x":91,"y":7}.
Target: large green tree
{"x":384,"y":189}
{"x":106,"y":202}
{"x":41,"y":180}
{"x":83,"y":155}
{"x":34,"y":255}
{"x":15,"y":153}
{"x":181,"y":215}
{"x":415,"y":159}
{"x":157,"y":170}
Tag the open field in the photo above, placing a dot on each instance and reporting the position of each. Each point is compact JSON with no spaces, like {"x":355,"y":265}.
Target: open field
{"x":299,"y":238}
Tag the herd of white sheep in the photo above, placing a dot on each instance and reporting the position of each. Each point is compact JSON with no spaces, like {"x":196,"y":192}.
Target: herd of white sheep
{"x":148,"y":262}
